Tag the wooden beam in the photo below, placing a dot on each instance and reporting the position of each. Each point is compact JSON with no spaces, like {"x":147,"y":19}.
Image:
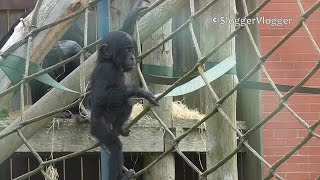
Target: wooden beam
{"x":220,"y":137}
{"x":249,"y":100}
{"x":165,"y":168}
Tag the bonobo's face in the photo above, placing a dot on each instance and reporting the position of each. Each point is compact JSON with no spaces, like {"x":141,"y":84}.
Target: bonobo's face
{"x":119,"y":48}
{"x":127,"y":57}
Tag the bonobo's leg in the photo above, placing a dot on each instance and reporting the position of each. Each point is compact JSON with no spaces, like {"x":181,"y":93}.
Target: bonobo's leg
{"x":101,"y":128}
{"x":101,"y":125}
{"x":121,"y":119}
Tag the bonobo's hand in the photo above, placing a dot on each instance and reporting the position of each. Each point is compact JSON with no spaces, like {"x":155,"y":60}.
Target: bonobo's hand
{"x":150,"y":97}
{"x":128,"y":174}
{"x":137,"y":8}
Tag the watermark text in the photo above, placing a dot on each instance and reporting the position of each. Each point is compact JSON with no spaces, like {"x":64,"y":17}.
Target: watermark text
{"x":257,"y":20}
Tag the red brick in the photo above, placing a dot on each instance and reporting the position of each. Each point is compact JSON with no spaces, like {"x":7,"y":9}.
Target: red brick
{"x":300,"y":107}
{"x":281,"y":7}
{"x":283,"y":125}
{"x":283,"y":117}
{"x":310,"y":151}
{"x":302,"y":133}
{"x":278,"y":142}
{"x":298,"y":159}
{"x":303,"y":98}
{"x":309,"y":115}
{"x":277,"y":150}
{"x":293,"y":141}
{"x":303,"y":65}
{"x":314,"y":167}
{"x":268,"y":133}
{"x":298,"y":176}
{"x":288,"y":65}
{"x":296,"y":73}
{"x":269,"y":107}
{"x":285,"y":133}
{"x":314,"y":107}
{"x":276,"y":32}
{"x":298,"y":57}
{"x":315,"y":159}
{"x":314,"y":142}
{"x":297,"y":45}
{"x":280,"y":14}
{"x":272,"y":159}
{"x":281,"y":65}
{"x":301,"y":167}
{"x":280,"y":117}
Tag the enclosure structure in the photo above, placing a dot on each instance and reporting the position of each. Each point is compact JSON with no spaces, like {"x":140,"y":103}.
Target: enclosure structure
{"x":180,"y":136}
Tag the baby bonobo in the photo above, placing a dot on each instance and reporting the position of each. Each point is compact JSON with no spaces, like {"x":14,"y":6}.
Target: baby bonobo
{"x":111,"y":106}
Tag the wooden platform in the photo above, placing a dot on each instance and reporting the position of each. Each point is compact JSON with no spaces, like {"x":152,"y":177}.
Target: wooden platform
{"x":145,"y":136}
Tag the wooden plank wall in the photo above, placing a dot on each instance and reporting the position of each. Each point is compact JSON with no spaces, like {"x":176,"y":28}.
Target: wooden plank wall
{"x":11,"y":11}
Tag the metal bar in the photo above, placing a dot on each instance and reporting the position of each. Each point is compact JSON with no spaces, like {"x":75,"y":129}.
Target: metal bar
{"x":103,"y":29}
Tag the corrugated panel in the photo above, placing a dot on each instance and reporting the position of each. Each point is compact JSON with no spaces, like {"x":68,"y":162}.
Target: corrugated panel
{"x":17,"y":4}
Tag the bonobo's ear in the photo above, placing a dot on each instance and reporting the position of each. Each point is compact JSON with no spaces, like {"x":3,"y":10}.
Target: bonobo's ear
{"x":106,"y":51}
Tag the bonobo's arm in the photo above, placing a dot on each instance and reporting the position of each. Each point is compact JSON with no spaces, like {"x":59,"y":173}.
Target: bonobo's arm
{"x":130,"y":21}
{"x":116,"y":96}
{"x":138,"y":92}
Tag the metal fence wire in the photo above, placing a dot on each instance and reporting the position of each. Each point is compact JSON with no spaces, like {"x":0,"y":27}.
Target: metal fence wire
{"x":242,"y":137}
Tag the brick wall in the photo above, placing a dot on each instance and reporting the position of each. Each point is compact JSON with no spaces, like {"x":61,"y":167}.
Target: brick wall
{"x":288,"y":65}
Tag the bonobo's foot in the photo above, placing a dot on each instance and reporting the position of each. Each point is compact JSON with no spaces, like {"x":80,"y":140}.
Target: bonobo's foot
{"x":64,"y":115}
{"x":68,"y":115}
{"x":79,"y":118}
{"x":127,"y":175}
{"x":123,"y":132}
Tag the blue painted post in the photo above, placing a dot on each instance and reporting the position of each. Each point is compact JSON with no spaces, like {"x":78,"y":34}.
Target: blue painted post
{"x":103,"y":29}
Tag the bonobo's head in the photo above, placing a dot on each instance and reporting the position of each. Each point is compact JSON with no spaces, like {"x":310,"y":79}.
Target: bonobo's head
{"x":120,"y":49}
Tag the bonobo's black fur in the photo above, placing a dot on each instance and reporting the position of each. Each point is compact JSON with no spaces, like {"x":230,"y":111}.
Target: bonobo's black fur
{"x":110,"y":97}
{"x":5,"y":38}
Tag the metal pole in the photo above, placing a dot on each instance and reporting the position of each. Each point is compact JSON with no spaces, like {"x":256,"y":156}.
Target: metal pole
{"x":103,"y":29}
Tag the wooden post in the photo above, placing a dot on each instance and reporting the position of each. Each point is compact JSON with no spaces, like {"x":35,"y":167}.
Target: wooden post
{"x":249,"y":101}
{"x":221,"y":138}
{"x":165,"y":168}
